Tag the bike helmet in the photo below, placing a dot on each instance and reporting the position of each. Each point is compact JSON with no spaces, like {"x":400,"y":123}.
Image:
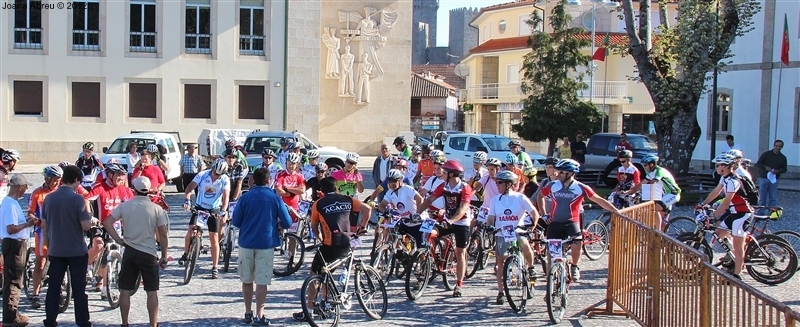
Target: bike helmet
{"x":550,"y":161}
{"x":220,"y":167}
{"x":724,"y":158}
{"x":529,"y":172}
{"x":322,"y":167}
{"x":112,"y":161}
{"x":438,"y":157}
{"x":88,"y":146}
{"x":494,"y":162}
{"x":568,"y":165}
{"x":736,"y":153}
{"x":64,"y":164}
{"x":428,"y":148}
{"x":352,"y":157}
{"x":295,"y":145}
{"x":625,"y":154}
{"x":230,"y":143}
{"x":479,"y":157}
{"x":115,"y":168}
{"x":416,"y":149}
{"x":514,"y":143}
{"x":152,"y":148}
{"x":399,"y":140}
{"x":286,"y":140}
{"x":402,"y":163}
{"x":511,"y":159}
{"x":11,"y":155}
{"x":268,"y":152}
{"x":294,"y":157}
{"x":52,"y":171}
{"x":231,"y":152}
{"x":394,"y":175}
{"x":650,"y":158}
{"x":746,"y":162}
{"x":313,"y":154}
{"x":453,"y":166}
{"x":506,"y":176}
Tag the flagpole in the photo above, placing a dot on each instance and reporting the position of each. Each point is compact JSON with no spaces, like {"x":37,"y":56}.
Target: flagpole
{"x":778,"y":106}
{"x":605,"y":95}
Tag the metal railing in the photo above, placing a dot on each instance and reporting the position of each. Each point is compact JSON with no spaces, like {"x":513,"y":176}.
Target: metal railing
{"x":658,"y":281}
{"x":198,"y":43}
{"x":494,"y":91}
{"x":609,"y":89}
{"x":252,"y":45}
{"x":27,"y":38}
{"x":86,"y":40}
{"x":143,"y":42}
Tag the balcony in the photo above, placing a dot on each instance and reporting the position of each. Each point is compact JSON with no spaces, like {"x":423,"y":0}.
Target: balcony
{"x":252,"y":45}
{"x":27,"y":38}
{"x":494,"y":93}
{"x":614,"y":92}
{"x":143,"y":41}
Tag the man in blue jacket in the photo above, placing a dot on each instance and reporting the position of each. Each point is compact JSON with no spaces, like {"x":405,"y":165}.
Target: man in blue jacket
{"x":258,"y":215}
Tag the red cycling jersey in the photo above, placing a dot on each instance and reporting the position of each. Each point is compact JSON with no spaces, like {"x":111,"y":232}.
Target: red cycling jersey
{"x":286,"y":179}
{"x":152,"y":172}
{"x":453,"y":198}
{"x":108,"y":197}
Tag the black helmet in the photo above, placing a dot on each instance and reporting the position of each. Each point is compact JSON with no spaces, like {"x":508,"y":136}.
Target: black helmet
{"x":399,"y":140}
{"x":231,"y":152}
{"x":550,"y":161}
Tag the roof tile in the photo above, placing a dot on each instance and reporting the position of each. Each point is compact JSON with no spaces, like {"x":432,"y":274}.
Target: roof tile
{"x":521,"y":42}
{"x":422,"y":87}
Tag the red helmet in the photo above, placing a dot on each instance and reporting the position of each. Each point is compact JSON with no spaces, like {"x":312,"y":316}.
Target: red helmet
{"x":401,"y":162}
{"x":452,"y":165}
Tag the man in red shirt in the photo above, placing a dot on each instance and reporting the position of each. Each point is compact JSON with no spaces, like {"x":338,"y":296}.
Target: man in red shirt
{"x":108,"y":195}
{"x":147,"y":169}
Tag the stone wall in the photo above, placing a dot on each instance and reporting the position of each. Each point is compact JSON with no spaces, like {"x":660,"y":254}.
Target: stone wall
{"x":303,"y":71}
{"x":462,"y":36}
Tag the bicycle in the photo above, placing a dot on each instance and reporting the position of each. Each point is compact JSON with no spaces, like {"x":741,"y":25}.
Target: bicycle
{"x":765,"y":250}
{"x":289,"y":254}
{"x":480,"y":245}
{"x":111,"y":257}
{"x":227,"y":242}
{"x":195,"y":243}
{"x":558,"y":279}
{"x":443,"y":253}
{"x":595,"y":234}
{"x":620,"y":201}
{"x":323,"y":297}
{"x":27,"y":282}
{"x":515,"y":269}
{"x":391,"y":259}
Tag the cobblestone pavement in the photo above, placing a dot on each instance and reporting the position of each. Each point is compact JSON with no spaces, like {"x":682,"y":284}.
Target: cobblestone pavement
{"x":206,"y":302}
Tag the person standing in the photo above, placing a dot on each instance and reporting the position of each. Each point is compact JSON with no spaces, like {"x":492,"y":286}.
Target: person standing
{"x":9,"y":159}
{"x":132,"y":158}
{"x":145,"y":224}
{"x":578,"y":149}
{"x":65,"y":220}
{"x":771,"y":165}
{"x":564,"y":150}
{"x":381,"y":166}
{"x":15,"y":233}
{"x":191,"y":163}
{"x":52,"y":179}
{"x":258,"y":215}
{"x":730,"y":145}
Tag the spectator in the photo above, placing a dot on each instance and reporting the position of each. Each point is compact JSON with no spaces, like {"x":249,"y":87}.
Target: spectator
{"x":145,"y":224}
{"x":382,"y":164}
{"x":161,"y":159}
{"x":191,"y":164}
{"x":771,"y":165}
{"x":614,"y":164}
{"x":15,"y":233}
{"x":258,"y":215}
{"x":564,"y":150}
{"x":65,"y":219}
{"x":578,"y":149}
{"x":623,"y":143}
{"x":729,"y":145}
{"x":9,"y":159}
{"x":147,"y":169}
{"x":132,"y":157}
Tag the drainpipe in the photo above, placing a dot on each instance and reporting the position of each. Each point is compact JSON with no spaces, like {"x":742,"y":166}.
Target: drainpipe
{"x":285,"y":58}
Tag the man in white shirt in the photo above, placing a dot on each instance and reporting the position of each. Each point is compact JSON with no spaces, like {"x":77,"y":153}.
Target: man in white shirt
{"x":729,"y":145}
{"x":15,"y":233}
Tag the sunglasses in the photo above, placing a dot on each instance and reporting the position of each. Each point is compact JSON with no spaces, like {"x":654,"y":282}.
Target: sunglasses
{"x":720,"y":165}
{"x":350,"y":163}
{"x":267,"y":157}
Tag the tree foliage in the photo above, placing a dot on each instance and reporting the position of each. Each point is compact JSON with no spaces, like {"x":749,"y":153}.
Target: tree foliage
{"x":553,"y":109}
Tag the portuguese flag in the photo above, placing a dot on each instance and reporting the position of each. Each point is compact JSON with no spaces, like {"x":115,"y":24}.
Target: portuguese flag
{"x":602,"y":52}
{"x":785,"y":45}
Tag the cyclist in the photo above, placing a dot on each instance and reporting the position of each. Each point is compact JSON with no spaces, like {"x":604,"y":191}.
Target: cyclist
{"x":507,"y":211}
{"x":313,"y":182}
{"x":400,"y":144}
{"x":236,"y":173}
{"x":737,"y":165}
{"x":488,"y":184}
{"x":523,"y":158}
{"x":107,"y":195}
{"x":405,"y":200}
{"x":242,"y":157}
{"x":52,"y":179}
{"x":284,"y":150}
{"x":432,"y":184}
{"x":349,"y":181}
{"x":9,"y":159}
{"x":425,"y":166}
{"x":474,"y":174}
{"x":289,"y":183}
{"x":90,"y":165}
{"x":413,"y":163}
{"x":214,"y":190}
{"x":627,"y":175}
{"x":330,"y":217}
{"x":529,"y":180}
{"x":296,"y":147}
{"x":513,"y":165}
{"x":457,"y":218}
{"x":309,"y":170}
{"x":551,"y":176}
{"x":658,"y":182}
{"x":268,"y":161}
{"x":567,"y":196}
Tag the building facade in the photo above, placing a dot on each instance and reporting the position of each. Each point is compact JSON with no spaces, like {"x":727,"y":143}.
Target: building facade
{"x":423,"y":29}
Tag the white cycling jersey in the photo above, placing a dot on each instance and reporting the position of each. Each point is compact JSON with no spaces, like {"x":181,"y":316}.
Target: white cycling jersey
{"x":431,"y":186}
{"x":308,"y":171}
{"x":510,"y":209}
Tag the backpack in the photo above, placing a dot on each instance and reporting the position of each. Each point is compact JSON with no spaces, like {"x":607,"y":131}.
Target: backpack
{"x":748,"y":189}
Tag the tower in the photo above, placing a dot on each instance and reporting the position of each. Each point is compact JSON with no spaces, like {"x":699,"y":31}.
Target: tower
{"x":423,"y":26}
{"x":462,"y":36}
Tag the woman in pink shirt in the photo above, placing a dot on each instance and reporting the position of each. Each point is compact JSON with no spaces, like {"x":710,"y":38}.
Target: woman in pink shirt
{"x":147,"y":169}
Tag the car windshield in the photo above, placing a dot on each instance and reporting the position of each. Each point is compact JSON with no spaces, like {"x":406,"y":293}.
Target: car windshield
{"x":256,"y":144}
{"x":497,"y":143}
{"x":644,"y":144}
{"x":120,"y":146}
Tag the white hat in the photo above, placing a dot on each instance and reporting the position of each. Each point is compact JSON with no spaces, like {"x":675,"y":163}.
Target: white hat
{"x":141,"y":184}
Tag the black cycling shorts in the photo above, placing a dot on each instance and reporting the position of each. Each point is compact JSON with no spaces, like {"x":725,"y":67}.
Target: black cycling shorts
{"x":413,"y":231}
{"x":461,"y":233}
{"x":560,"y":230}
{"x":95,"y":231}
{"x":329,"y":253}
{"x":214,"y":222}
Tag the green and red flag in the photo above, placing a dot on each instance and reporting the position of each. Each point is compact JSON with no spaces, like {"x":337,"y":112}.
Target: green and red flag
{"x":785,"y":44}
{"x":602,"y":52}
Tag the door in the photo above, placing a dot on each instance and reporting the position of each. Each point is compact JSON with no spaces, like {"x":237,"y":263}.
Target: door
{"x":173,"y":157}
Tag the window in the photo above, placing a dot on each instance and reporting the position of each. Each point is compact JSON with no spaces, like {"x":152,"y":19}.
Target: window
{"x":485,"y":33}
{"x":416,"y":107}
{"x":28,"y":98}
{"x":723,"y":113}
{"x":458,"y":143}
{"x":251,"y":102}
{"x":198,"y":26}
{"x":600,"y":145}
{"x":86,"y":25}
{"x":142,"y":99}
{"x":524,"y":28}
{"x":27,"y":24}
{"x":197,"y":101}
{"x":512,"y":73}
{"x":85,"y":99}
{"x":474,"y":144}
{"x":143,"y":26}
{"x":501,"y":26}
{"x":251,"y":27}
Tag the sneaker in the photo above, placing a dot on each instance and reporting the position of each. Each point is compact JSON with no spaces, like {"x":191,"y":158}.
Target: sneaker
{"x":263,"y":321}
{"x":501,"y":298}
{"x":21,"y":320}
{"x":214,"y":273}
{"x":35,"y":302}
{"x":532,"y":274}
{"x":248,"y":318}
{"x":576,"y":273}
{"x":183,"y":259}
{"x":104,"y":294}
{"x":300,"y":316}
{"x":457,"y":291}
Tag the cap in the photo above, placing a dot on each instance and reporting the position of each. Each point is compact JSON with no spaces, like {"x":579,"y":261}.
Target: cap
{"x":141,"y":184}
{"x":18,"y":179}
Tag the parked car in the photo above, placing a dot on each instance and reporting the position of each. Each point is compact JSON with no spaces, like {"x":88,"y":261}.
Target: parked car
{"x":170,"y":140}
{"x":424,"y":140}
{"x":462,"y":146}
{"x":259,"y":140}
{"x":601,"y":151}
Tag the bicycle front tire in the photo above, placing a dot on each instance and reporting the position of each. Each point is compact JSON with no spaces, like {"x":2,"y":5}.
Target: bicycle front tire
{"x":515,"y":283}
{"x":112,"y":276}
{"x":418,"y":273}
{"x":369,"y":285}
{"x":288,"y":261}
{"x":190,"y":264}
{"x":793,"y":238}
{"x":774,"y":263}
{"x":474,"y":250}
{"x":556,"y":301}
{"x":323,"y":311}
{"x":226,"y":256}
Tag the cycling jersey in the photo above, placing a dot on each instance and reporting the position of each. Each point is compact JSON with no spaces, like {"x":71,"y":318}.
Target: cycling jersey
{"x":628,"y":177}
{"x":453,"y":198}
{"x":567,"y":200}
{"x":3,"y":184}
{"x":472,"y":176}
{"x":489,"y":189}
{"x":35,"y":209}
{"x":308,"y":171}
{"x":524,"y":159}
{"x":432,"y":185}
{"x":411,"y":172}
{"x":332,"y":212}
{"x":286,"y":180}
{"x":739,"y":171}
{"x":209,"y":193}
{"x":510,"y":209}
{"x":108,"y":198}
{"x":425,"y":168}
{"x":738,"y":202}
{"x":664,"y":184}
{"x":273,"y":168}
{"x":90,"y":168}
{"x":403,"y":200}
{"x":347,"y":183}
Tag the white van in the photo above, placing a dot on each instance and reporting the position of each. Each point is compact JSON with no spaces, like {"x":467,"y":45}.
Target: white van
{"x":170,"y":140}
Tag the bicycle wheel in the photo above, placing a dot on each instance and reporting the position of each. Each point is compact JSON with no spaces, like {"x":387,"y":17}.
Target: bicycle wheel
{"x":595,"y":240}
{"x":27,"y":277}
{"x":515,"y":283}
{"x":449,"y":273}
{"x":289,"y":256}
{"x":419,"y":271}
{"x":227,"y":250}
{"x":679,"y":225}
{"x":189,"y":266}
{"x":383,"y":261}
{"x":318,"y":298}
{"x":793,"y":238}
{"x":772,"y":262}
{"x":556,"y":301}
{"x":112,"y":276}
{"x":66,"y":293}
{"x":371,"y":292}
{"x":473,"y":255}
{"x":604,"y":218}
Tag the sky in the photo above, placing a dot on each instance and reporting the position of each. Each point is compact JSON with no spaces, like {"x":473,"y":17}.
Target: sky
{"x":443,"y":16}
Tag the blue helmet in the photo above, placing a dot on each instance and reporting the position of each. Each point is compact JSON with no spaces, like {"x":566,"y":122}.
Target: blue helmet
{"x":568,"y":165}
{"x":650,"y":158}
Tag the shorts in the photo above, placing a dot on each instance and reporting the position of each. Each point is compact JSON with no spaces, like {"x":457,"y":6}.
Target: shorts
{"x":135,"y":262}
{"x":39,"y":249}
{"x":461,"y":233}
{"x":329,"y":253}
{"x":255,"y":265}
{"x":354,"y":218}
{"x":737,"y":223}
{"x":502,"y":245}
{"x":95,"y":231}
{"x":413,"y":231}
{"x":214,"y":222}
{"x":663,"y":206}
{"x":560,"y":230}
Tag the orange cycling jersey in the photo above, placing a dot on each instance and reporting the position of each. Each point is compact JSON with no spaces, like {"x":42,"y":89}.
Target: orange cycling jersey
{"x":425,"y":169}
{"x":35,"y":209}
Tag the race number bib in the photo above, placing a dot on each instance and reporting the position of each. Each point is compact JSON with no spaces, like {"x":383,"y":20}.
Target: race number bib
{"x":202,"y":219}
{"x":508,"y":233}
{"x":118,"y":227}
{"x":293,"y":229}
{"x":528,"y":220}
{"x":231,"y":208}
{"x":427,"y":225}
{"x":556,"y":248}
{"x":483,"y":213}
{"x":304,"y":208}
{"x":355,"y":242}
{"x":669,"y":199}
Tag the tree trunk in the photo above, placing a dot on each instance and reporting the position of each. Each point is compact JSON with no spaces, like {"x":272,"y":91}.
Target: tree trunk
{"x":677,"y":138}
{"x":551,"y":147}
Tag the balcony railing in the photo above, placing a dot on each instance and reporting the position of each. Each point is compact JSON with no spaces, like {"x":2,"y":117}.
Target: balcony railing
{"x":27,"y":38}
{"x":198,"y":43}
{"x":608,"y":90}
{"x":86,"y":40}
{"x":251,"y":45}
{"x":495,"y":91}
{"x":143,"y":41}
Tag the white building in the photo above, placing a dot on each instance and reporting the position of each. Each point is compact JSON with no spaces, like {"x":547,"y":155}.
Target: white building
{"x":748,"y":94}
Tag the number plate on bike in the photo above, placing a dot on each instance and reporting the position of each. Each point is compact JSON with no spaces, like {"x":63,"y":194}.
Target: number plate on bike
{"x":556,"y":248}
{"x":669,"y":199}
{"x":118,"y":227}
{"x":303,"y":208}
{"x":427,"y":225}
{"x":355,"y":242}
{"x":509,"y":235}
{"x":202,"y":219}
{"x":293,"y":229}
{"x":231,"y":208}
{"x":483,"y":213}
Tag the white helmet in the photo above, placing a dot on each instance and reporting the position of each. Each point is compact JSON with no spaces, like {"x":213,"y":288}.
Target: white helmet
{"x":220,"y":166}
{"x":152,"y":148}
{"x":724,"y":158}
{"x":294,"y":157}
{"x":479,"y":157}
{"x":352,"y":156}
{"x":735,"y":153}
{"x":494,"y":162}
{"x":394,"y":174}
{"x":313,"y":154}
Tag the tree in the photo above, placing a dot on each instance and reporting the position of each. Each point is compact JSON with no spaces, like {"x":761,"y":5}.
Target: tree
{"x":553,"y":109}
{"x":674,"y":65}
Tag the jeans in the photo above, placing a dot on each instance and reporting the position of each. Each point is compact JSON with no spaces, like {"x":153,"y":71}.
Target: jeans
{"x":767,"y":192}
{"x":14,"y":268}
{"x":77,"y":270}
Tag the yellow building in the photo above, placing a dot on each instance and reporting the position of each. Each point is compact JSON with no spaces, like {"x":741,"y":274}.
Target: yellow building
{"x":492,"y":69}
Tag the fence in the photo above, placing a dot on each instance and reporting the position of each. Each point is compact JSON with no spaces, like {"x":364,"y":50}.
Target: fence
{"x":658,"y":281}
